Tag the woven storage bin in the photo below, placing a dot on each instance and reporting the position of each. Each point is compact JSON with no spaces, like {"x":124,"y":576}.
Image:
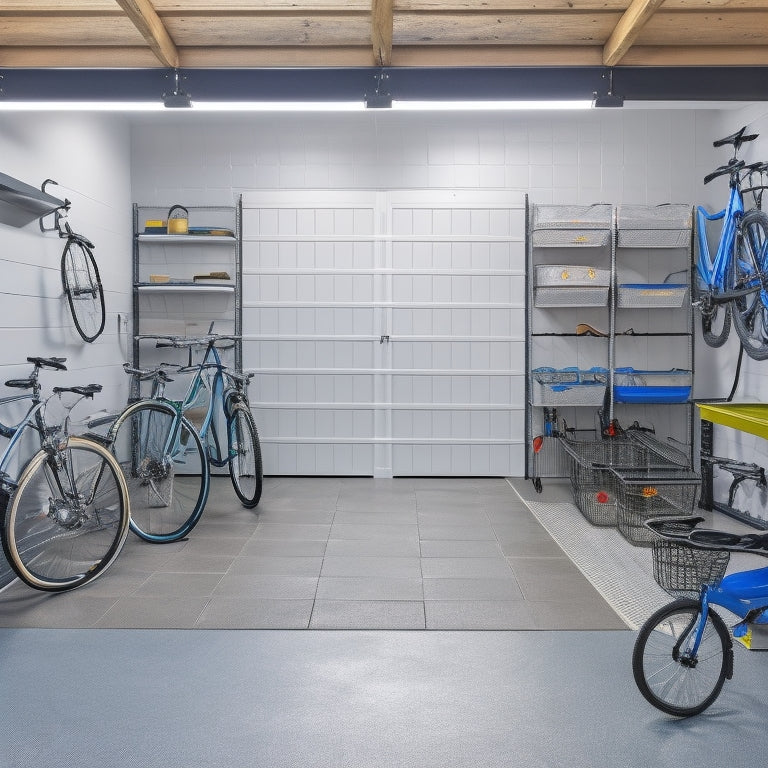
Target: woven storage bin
{"x":567,"y":285}
{"x":651,"y":295}
{"x":657,"y":492}
{"x":661,"y":226}
{"x":565,"y":226}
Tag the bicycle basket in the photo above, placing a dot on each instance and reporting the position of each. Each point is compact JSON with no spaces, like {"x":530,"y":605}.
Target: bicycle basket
{"x":681,"y":570}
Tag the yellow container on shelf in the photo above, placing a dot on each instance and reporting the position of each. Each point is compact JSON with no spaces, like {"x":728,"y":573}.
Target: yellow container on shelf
{"x":178,"y":220}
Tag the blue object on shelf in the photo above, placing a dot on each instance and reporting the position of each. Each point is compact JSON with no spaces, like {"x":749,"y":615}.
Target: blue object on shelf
{"x":636,"y":386}
{"x":651,"y":394}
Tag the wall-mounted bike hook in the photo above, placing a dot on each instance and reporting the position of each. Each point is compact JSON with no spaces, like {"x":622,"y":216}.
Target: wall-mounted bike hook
{"x":59,"y":215}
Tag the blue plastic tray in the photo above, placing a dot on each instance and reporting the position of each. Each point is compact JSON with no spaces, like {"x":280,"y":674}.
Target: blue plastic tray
{"x":624,"y":394}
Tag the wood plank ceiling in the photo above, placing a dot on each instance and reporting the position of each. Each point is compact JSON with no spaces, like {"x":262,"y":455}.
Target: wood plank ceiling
{"x":363,"y":33}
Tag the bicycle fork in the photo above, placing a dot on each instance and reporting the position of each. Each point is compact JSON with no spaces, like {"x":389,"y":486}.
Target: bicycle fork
{"x":686,"y":650}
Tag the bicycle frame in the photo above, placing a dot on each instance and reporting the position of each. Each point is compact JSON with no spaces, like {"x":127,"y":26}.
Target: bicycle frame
{"x":14,"y":433}
{"x":713,"y":271}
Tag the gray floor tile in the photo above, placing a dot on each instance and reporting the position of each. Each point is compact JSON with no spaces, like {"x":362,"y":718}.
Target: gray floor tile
{"x":465,"y":516}
{"x":213,"y":547}
{"x":222,"y":530}
{"x":153,"y":613}
{"x":385,"y":515}
{"x":457,"y":532}
{"x":313,"y":517}
{"x":358,"y":614}
{"x":277,"y":566}
{"x":551,"y":579}
{"x":531,"y":548}
{"x":477,"y":614}
{"x":380,"y":532}
{"x":460,"y":549}
{"x":258,"y":613}
{"x":163,"y":584}
{"x":25,"y":607}
{"x":403,"y":567}
{"x":472,"y":589}
{"x":582,"y":614}
{"x":465,"y":567}
{"x":194,"y":562}
{"x":302,"y":531}
{"x":283,"y":548}
{"x":407,"y":547}
{"x":369,"y":588}
{"x":263,"y":585}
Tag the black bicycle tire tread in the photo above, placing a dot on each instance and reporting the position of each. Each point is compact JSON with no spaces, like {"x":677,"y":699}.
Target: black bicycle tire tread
{"x":248,"y":502}
{"x":89,"y":255}
{"x":678,"y":606}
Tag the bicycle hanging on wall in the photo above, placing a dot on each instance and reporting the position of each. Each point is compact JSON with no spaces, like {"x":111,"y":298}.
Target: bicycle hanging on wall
{"x":732,"y":285}
{"x":80,"y":277}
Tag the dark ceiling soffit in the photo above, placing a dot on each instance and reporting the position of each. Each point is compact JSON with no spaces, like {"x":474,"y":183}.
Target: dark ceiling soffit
{"x":423,"y":83}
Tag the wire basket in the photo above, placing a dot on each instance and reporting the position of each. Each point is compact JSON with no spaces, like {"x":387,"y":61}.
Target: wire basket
{"x":681,"y":570}
{"x":565,"y":226}
{"x":559,"y":285}
{"x":657,"y":492}
{"x":660,"y":226}
{"x":651,"y":295}
{"x":665,"y":452}
{"x":568,"y":386}
{"x":592,"y":481}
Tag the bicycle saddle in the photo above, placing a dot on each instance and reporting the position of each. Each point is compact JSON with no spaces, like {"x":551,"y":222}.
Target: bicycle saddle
{"x":55,"y":363}
{"x":683,"y":529}
{"x":737,"y":139}
{"x":20,"y":383}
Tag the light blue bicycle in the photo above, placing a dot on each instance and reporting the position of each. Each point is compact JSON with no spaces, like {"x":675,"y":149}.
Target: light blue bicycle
{"x":684,"y":653}
{"x":166,"y":447}
{"x":733,"y":284}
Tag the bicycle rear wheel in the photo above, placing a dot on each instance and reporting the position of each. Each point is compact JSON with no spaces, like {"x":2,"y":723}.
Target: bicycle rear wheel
{"x":82,"y":286}
{"x":68,"y":519}
{"x":165,"y":467}
{"x":670,"y":678}
{"x":245,"y":466}
{"x":750,"y":312}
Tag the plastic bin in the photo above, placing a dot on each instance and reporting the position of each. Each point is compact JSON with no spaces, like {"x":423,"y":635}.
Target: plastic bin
{"x":566,"y":226}
{"x":568,"y":386}
{"x":661,"y":226}
{"x":651,"y":295}
{"x":568,"y":285}
{"x":657,"y":492}
{"x":637,"y":386}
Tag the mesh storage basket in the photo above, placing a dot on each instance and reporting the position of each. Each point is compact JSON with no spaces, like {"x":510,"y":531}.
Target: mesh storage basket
{"x":565,"y":226}
{"x":568,"y":285}
{"x":631,"y":385}
{"x":568,"y":386}
{"x":651,"y":295}
{"x":656,"y":492}
{"x":661,"y":226}
{"x":681,"y":570}
{"x":592,"y":481}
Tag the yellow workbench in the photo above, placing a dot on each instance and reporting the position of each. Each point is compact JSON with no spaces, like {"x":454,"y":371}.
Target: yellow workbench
{"x":746,"y":417}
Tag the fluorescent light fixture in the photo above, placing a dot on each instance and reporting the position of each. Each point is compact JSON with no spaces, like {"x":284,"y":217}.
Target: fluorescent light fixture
{"x":469,"y":106}
{"x":81,"y":106}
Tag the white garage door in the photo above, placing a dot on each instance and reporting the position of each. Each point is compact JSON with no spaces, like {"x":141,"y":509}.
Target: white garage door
{"x":386,"y":331}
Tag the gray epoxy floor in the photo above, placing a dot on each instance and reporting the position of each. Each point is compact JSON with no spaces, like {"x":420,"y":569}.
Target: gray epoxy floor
{"x":338,"y":553}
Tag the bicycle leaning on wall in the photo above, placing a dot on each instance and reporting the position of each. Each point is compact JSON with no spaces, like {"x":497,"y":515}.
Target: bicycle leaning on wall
{"x":166,"y":447}
{"x":65,"y":513}
{"x":732,"y":285}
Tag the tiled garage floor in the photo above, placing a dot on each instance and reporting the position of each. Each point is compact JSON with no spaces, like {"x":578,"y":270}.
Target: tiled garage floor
{"x":339,"y":553}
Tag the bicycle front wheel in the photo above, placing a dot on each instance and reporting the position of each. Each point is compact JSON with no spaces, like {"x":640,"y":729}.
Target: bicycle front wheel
{"x":245,"y":466}
{"x":68,"y":519}
{"x":165,"y":468}
{"x":82,"y":286}
{"x":750,"y":312}
{"x":668,"y":674}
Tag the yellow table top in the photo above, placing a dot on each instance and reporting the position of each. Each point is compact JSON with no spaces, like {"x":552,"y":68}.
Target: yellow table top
{"x":746,"y":417}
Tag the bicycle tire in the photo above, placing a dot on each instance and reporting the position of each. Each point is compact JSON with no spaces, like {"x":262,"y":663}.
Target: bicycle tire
{"x":245,"y":464}
{"x":750,"y":312}
{"x":82,"y":285}
{"x":670,"y":682}
{"x":715,"y":319}
{"x":70,"y":544}
{"x":165,"y":467}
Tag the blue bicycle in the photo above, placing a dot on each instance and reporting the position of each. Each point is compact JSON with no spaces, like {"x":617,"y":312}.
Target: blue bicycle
{"x":733,"y":285}
{"x":684,"y":653}
{"x":166,"y":447}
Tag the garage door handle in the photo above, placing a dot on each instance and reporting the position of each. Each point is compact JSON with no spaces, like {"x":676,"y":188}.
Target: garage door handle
{"x":382,"y":339}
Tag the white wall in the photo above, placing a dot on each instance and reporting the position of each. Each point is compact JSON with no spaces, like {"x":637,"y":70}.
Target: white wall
{"x":89,"y":156}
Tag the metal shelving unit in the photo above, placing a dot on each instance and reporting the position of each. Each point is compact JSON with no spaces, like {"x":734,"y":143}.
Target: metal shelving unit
{"x":166,"y":296}
{"x":641,"y":320}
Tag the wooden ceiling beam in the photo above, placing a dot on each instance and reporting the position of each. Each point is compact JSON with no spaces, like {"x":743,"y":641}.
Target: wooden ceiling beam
{"x":628,"y":29}
{"x":145,"y":18}
{"x":382,"y":18}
